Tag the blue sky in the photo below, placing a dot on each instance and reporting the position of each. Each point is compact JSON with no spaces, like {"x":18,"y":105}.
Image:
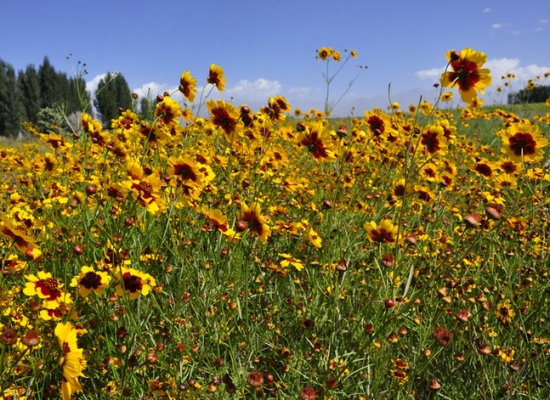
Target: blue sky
{"x":268,"y":48}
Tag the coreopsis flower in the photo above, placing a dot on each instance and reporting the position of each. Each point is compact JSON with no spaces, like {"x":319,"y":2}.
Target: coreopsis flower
{"x":386,"y":232}
{"x":251,"y":219}
{"x":223,"y":115}
{"x":58,"y":309}
{"x":11,"y":264}
{"x":288,"y":259}
{"x":276,"y":108}
{"x":133,"y":282}
{"x":186,"y":170}
{"x":324,"y":53}
{"x":45,"y":286}
{"x":55,"y":141}
{"x":72,"y":360}
{"x":216,"y":77}
{"x":127,"y":120}
{"x":378,"y":122}
{"x":167,"y":112}
{"x":318,"y":142}
{"x":187,"y":86}
{"x":504,"y":312}
{"x":466,"y":73}
{"x":314,"y":238}
{"x":433,"y":140}
{"x":146,"y":189}
{"x":90,"y":280}
{"x":446,"y":97}
{"x":17,"y":236}
{"x":523,"y":142}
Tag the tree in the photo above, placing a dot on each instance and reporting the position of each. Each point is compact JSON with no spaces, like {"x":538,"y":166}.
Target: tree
{"x":112,"y":92}
{"x":29,"y":87}
{"x":49,"y":89}
{"x":538,"y":94}
{"x":11,"y":109}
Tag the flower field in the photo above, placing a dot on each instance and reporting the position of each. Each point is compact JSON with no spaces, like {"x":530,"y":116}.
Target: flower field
{"x":276,"y":253}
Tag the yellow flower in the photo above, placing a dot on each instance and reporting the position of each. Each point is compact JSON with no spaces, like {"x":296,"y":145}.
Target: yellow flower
{"x":289,"y":260}
{"x":314,"y":238}
{"x":20,"y":239}
{"x":146,"y":189}
{"x":385,"y":233}
{"x":466,"y":73}
{"x":45,"y":286}
{"x":216,"y":78}
{"x":523,"y":142}
{"x":504,"y":312}
{"x":251,"y":218}
{"x":187,"y":86}
{"x":72,"y":360}
{"x":91,"y":281}
{"x":134,"y":282}
{"x":167,"y":112}
{"x":324,"y":53}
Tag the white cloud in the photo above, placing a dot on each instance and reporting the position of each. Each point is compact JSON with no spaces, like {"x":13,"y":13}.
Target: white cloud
{"x":433,"y":73}
{"x":91,"y":86}
{"x":497,"y":26}
{"x":544,"y":21}
{"x":486,"y":9}
{"x":259,"y":90}
{"x":300,"y":91}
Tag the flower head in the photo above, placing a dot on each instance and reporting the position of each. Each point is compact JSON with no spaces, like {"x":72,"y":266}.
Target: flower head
{"x":45,"y":286}
{"x":90,"y":280}
{"x":523,"y":142}
{"x":187,"y":86}
{"x":252,"y":219}
{"x":72,"y":359}
{"x":466,"y":73}
{"x":133,"y":282}
{"x":385,"y":233}
{"x":216,"y":78}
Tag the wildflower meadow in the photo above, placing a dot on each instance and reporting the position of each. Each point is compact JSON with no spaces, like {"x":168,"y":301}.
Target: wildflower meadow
{"x":211,"y":251}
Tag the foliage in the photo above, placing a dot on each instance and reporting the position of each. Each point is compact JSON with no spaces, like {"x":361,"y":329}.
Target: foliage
{"x":112,"y":93}
{"x":536,"y":94}
{"x":11,"y":108}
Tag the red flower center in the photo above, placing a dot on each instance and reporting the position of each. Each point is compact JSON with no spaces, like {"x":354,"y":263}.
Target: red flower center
{"x":91,"y":280}
{"x":132,"y":283}
{"x":522,"y":143}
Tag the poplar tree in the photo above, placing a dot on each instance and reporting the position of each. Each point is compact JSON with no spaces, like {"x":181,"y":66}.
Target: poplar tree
{"x":29,"y":87}
{"x":11,"y":109}
{"x":112,"y":92}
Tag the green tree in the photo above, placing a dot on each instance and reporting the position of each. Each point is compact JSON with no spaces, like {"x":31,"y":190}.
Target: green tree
{"x":29,"y":87}
{"x":112,"y":92}
{"x":11,"y":109}
{"x":49,"y":88}
{"x":538,"y":94}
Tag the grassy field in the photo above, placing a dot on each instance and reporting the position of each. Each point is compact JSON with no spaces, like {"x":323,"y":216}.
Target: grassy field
{"x":400,"y":254}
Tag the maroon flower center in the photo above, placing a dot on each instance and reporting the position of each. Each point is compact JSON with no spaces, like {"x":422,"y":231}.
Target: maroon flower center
{"x":91,"y":280}
{"x":522,"y":143}
{"x":430,"y":140}
{"x":132,"y":283}
{"x":48,"y":287}
{"x":484,"y":169}
{"x":382,"y":236}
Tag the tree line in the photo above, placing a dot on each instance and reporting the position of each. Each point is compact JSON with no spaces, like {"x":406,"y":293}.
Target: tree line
{"x":538,"y":94}
{"x":44,"y":96}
